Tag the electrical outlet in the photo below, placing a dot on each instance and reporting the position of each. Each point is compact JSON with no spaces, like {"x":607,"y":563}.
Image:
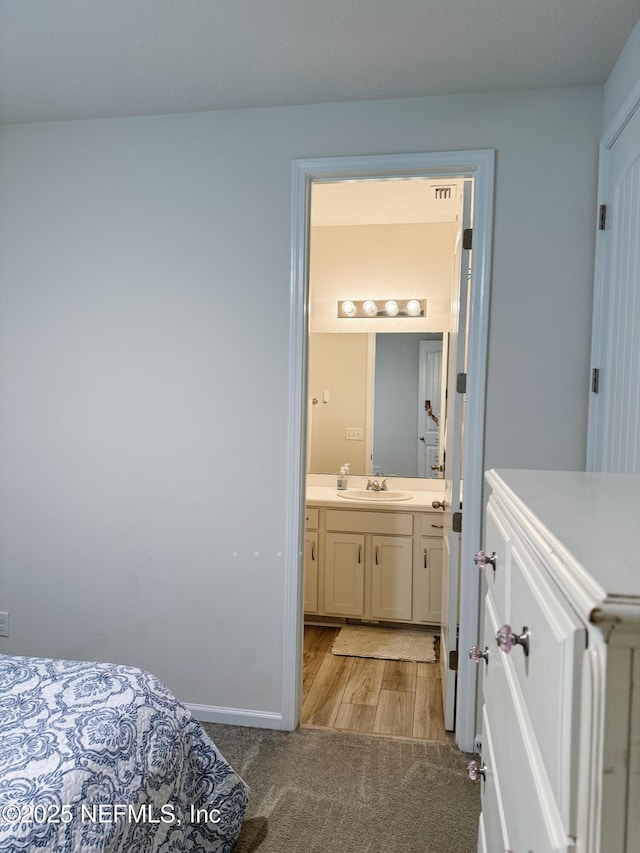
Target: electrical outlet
{"x":4,"y":624}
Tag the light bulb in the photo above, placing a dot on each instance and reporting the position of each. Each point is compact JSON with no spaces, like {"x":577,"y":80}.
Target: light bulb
{"x":413,"y":308}
{"x":370,"y":308}
{"x":349,"y":308}
{"x":391,"y":307}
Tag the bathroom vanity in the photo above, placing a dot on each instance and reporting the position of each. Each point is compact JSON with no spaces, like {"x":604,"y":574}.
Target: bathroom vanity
{"x":377,"y":562}
{"x":560,"y":664}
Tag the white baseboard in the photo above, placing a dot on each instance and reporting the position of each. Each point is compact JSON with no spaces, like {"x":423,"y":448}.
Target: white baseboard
{"x":235,"y":716}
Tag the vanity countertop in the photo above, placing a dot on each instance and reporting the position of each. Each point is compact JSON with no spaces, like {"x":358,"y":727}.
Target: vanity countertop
{"x":420,"y":501}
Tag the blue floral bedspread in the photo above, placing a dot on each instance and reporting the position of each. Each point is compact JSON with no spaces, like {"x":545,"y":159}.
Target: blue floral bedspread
{"x":97,"y":757}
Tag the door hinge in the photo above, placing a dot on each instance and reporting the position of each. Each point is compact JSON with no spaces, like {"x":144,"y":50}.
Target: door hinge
{"x":456,"y":522}
{"x":595,"y":380}
{"x":453,"y":660}
{"x":602,"y":218}
{"x":467,"y":238}
{"x":461,"y":383}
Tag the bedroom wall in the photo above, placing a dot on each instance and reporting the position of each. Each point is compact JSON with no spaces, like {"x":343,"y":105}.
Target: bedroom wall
{"x":144,"y":299}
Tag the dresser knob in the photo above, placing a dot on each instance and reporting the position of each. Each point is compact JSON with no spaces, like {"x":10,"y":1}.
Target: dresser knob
{"x":475,"y":770}
{"x":476,"y":655}
{"x":506,"y":639}
{"x":481,"y":560}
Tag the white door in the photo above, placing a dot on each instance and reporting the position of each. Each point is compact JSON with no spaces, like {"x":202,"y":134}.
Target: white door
{"x":429,"y":384}
{"x":453,"y":438}
{"x":614,"y":406}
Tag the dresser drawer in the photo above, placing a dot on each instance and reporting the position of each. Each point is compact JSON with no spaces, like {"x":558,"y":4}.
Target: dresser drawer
{"x":498,"y":548}
{"x":494,"y":828}
{"x":532,"y":819}
{"x":549,"y":677}
{"x":311,"y":518}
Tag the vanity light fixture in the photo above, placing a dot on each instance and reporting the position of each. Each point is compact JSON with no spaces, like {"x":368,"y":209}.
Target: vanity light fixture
{"x":385,"y":308}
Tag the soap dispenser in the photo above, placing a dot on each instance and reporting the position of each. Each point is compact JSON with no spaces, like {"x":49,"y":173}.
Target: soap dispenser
{"x":342,"y":476}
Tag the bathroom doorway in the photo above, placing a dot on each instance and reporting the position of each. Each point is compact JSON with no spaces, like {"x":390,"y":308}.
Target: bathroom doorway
{"x":437,"y":169}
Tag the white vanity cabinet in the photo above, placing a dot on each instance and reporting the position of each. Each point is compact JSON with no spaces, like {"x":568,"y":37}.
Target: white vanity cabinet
{"x":344,"y":574}
{"x":560,"y":664}
{"x":392,"y":578}
{"x":311,"y":561}
{"x":376,"y":565}
{"x":429,"y":568}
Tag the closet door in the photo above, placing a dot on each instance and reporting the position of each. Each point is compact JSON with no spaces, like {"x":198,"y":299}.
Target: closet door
{"x":614,"y":406}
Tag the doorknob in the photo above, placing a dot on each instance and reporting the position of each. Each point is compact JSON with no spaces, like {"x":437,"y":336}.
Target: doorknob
{"x":421,"y":437}
{"x":437,"y":467}
{"x":437,"y":504}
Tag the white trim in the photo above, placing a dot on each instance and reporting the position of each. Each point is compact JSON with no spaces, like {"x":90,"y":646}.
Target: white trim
{"x":598,"y":328}
{"x":479,"y":165}
{"x":595,"y":424}
{"x":369,"y":436}
{"x":294,"y":553}
{"x":473,"y":466}
{"x":235,"y":716}
{"x":622,"y":117}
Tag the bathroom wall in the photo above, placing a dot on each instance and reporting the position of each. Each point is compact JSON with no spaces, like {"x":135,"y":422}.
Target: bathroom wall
{"x":144,"y":362}
{"x":337,"y":364}
{"x":377,"y":262}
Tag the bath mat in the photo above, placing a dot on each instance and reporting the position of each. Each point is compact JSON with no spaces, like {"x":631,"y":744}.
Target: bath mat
{"x":387,"y":643}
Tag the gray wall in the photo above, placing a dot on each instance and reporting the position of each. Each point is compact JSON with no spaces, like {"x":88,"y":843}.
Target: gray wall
{"x":624,"y":77}
{"x":144,"y":299}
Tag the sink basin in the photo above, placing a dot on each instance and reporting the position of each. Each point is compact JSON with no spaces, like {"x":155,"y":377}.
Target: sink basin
{"x":368,"y":495}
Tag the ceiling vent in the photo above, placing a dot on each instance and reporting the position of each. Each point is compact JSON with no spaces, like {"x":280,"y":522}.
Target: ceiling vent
{"x":444,"y":192}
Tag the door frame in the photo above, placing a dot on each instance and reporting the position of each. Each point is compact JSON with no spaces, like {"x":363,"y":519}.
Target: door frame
{"x":476,"y":164}
{"x":599,"y":330}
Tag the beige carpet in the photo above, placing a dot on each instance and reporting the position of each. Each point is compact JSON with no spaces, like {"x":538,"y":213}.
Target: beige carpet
{"x":317,"y":791}
{"x":388,"y":643}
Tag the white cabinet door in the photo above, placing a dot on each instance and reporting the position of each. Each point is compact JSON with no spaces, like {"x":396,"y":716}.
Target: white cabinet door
{"x":344,"y":574}
{"x":391,"y":577}
{"x":429,"y":578}
{"x":311,"y":572}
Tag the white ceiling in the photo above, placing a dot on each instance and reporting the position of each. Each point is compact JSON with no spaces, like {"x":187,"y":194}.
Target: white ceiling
{"x":65,"y":59}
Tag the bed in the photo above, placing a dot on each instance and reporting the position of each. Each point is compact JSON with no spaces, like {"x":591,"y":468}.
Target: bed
{"x":98,"y":757}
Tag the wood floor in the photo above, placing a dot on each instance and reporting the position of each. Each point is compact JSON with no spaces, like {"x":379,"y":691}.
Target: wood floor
{"x":366,"y":695}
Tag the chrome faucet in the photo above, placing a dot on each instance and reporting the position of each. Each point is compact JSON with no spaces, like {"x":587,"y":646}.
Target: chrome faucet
{"x":375,"y":486}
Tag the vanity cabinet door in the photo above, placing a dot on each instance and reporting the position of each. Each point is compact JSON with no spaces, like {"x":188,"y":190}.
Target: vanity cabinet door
{"x":344,"y":574}
{"x":391,"y":577}
{"x":429,"y":579}
{"x":311,"y":572}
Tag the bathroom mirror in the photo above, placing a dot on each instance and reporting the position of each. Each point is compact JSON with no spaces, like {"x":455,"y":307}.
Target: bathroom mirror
{"x":366,"y":405}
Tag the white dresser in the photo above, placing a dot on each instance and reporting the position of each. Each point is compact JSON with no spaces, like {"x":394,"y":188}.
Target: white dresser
{"x":560,"y":664}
